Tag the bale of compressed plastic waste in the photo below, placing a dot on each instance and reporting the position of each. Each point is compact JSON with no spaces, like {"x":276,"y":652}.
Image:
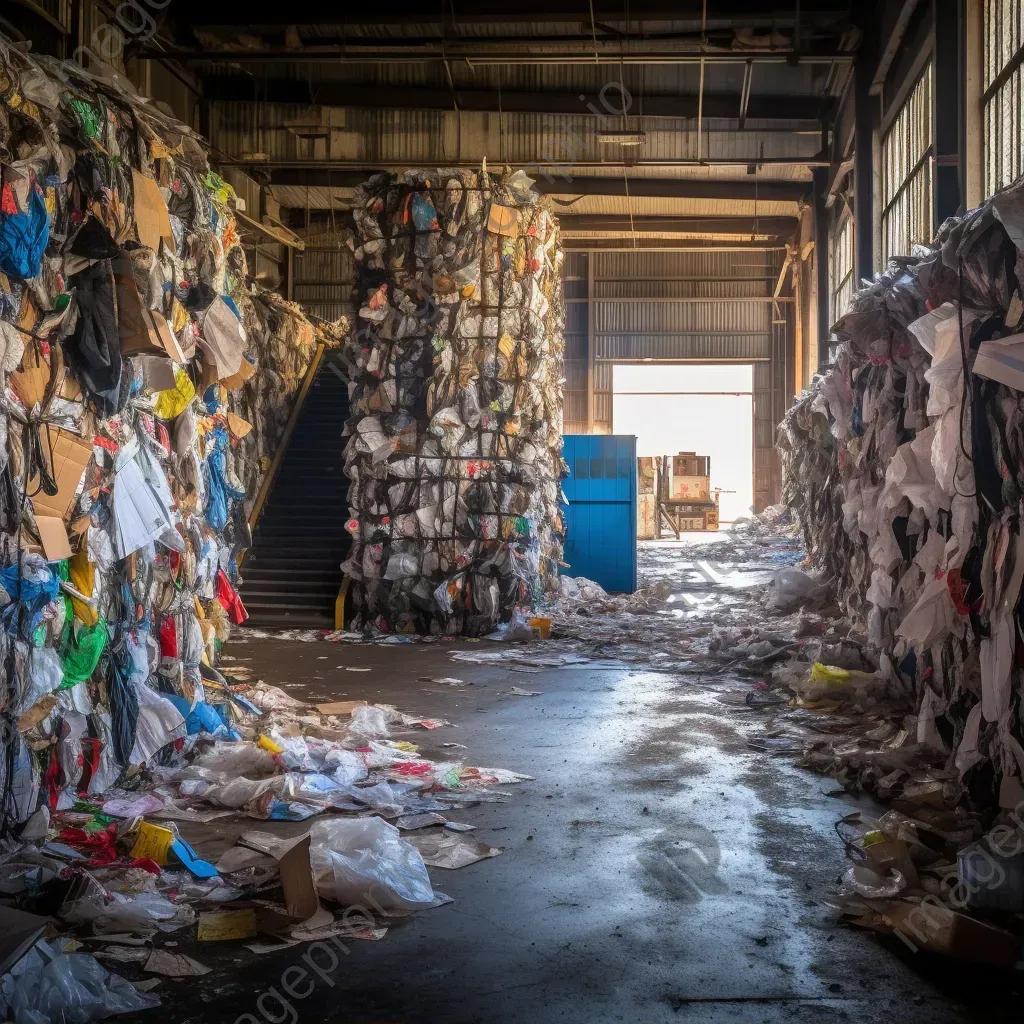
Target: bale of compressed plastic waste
{"x":454,"y":451}
{"x":904,"y":465}
{"x":146,"y":386}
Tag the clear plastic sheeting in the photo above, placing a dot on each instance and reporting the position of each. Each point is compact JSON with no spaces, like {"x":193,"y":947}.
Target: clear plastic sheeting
{"x":364,"y":862}
{"x":454,"y":451}
{"x":48,"y":987}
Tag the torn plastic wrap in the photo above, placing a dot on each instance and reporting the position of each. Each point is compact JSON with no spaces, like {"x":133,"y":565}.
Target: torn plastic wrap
{"x":454,"y":451}
{"x":905,"y":466}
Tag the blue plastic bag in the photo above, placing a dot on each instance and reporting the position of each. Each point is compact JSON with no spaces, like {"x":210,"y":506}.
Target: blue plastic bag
{"x":23,"y":238}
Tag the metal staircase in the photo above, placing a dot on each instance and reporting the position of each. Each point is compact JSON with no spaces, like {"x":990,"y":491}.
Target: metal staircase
{"x":291,"y":575}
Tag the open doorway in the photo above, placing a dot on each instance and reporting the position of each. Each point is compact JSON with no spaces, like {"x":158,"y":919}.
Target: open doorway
{"x":706,"y":408}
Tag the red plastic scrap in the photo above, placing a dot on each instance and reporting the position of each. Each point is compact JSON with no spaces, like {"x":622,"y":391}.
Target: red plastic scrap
{"x":168,"y":637}
{"x":229,"y":599}
{"x":101,"y":846}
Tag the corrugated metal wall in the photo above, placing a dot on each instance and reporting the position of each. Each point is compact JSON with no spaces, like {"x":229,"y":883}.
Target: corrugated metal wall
{"x":574,"y":278}
{"x":440,"y":137}
{"x":324,"y":273}
{"x":678,"y":307}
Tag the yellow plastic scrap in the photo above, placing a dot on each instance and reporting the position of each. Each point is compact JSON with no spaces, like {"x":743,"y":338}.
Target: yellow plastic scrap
{"x":83,"y":579}
{"x":406,"y":746}
{"x":825,"y":704}
{"x":830,"y":675}
{"x":267,"y":744}
{"x":153,"y":842}
{"x":170,"y":404}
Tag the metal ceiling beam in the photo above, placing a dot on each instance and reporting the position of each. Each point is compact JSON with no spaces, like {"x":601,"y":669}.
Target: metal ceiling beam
{"x":327,"y":12}
{"x":377,"y":51}
{"x":777,"y":226}
{"x":665,"y":245}
{"x":243,"y":88}
{"x":892,"y":45}
{"x":549,"y":171}
{"x":655,"y":188}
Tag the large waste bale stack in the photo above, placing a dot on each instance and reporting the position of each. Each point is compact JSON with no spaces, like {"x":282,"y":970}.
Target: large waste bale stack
{"x":145,"y":385}
{"x":454,"y":453}
{"x":905,"y":464}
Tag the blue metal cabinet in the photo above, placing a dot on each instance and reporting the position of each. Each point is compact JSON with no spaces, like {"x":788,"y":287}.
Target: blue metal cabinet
{"x":601,"y":518}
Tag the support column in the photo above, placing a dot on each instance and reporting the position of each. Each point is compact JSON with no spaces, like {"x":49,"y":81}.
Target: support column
{"x":948,"y":46}
{"x":865,"y":122}
{"x":973,"y":156}
{"x":821,"y":253}
{"x":590,"y":342}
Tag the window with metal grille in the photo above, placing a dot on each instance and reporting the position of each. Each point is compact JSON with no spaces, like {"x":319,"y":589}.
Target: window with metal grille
{"x":840,"y":269}
{"x":1003,"y":96}
{"x":908,"y":149}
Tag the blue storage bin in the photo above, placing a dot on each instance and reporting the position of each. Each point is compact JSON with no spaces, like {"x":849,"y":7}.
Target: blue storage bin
{"x":601,"y":517}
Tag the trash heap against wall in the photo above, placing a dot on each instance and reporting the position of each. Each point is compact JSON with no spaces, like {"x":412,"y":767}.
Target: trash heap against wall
{"x":910,"y":450}
{"x":456,"y":383}
{"x":145,"y":386}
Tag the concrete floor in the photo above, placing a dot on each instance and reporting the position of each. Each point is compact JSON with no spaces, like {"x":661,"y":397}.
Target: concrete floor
{"x":656,"y":870}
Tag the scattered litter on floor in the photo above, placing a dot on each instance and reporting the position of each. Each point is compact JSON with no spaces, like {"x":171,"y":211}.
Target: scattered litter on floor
{"x":137,"y":886}
{"x":525,"y":693}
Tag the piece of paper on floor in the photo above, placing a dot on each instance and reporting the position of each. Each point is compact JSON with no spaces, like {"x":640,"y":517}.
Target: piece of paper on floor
{"x":174,"y":965}
{"x":123,"y":954}
{"x":223,"y":925}
{"x":411,"y":822}
{"x":452,"y":851}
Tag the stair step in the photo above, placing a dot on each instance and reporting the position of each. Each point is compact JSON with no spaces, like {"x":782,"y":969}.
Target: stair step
{"x":291,"y":575}
{"x":295,"y":587}
{"x":305,"y":621}
{"x":259,"y":604}
{"x":254,"y":576}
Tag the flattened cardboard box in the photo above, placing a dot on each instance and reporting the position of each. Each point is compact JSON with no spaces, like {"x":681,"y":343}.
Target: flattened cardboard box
{"x":70,"y":456}
{"x":140,"y":329}
{"x":151,"y":218}
{"x":29,"y":381}
{"x":940,"y":930}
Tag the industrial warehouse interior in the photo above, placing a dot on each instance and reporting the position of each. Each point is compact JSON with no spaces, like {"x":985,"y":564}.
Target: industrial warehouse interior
{"x":512,"y":512}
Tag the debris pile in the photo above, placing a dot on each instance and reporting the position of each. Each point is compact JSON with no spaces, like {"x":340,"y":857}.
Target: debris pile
{"x":145,"y":384}
{"x":125,"y":883}
{"x":905,"y":465}
{"x":455,"y":441}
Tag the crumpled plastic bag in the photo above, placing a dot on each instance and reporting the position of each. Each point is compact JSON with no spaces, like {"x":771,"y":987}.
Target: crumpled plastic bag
{"x":822,"y":682}
{"x":791,"y":589}
{"x":364,"y":862}
{"x":46,"y":987}
{"x":23,"y":238}
{"x":370,"y":722}
{"x":170,"y":404}
{"x":110,"y":913}
{"x":861,"y":880}
{"x":39,"y":672}
{"x":517,"y":628}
